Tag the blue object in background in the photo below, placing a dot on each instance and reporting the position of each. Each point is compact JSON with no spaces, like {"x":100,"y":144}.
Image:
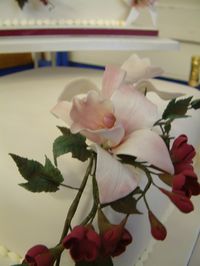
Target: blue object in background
{"x":7,"y":71}
{"x":62,"y":59}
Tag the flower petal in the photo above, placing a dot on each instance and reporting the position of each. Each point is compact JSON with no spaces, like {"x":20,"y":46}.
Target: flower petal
{"x":147,"y":146}
{"x":111,"y":136}
{"x":75,"y":87}
{"x":90,"y":112}
{"x":133,"y":109}
{"x":178,"y":181}
{"x":112,"y":79}
{"x":132,"y":16}
{"x":139,"y":69}
{"x":147,"y":86}
{"x":114,"y":179}
{"x":62,"y":110}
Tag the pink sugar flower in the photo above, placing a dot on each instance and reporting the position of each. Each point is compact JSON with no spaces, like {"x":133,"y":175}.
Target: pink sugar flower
{"x":119,"y":120}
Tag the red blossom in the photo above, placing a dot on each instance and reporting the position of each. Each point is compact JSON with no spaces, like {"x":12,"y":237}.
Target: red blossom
{"x":182,"y":153}
{"x":158,"y":230}
{"x":180,"y":200}
{"x":115,"y":240}
{"x":39,"y":255}
{"x":185,"y":180}
{"x":83,"y":242}
{"x":187,"y":183}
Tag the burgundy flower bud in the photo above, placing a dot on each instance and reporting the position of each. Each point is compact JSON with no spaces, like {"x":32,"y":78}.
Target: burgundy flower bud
{"x":182,"y":153}
{"x":158,"y":230}
{"x":84,"y":243}
{"x":39,"y":255}
{"x":182,"y":202}
{"x":115,"y":240}
{"x":114,"y":237}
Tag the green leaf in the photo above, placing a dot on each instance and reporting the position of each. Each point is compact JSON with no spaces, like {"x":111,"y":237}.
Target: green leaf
{"x":64,"y":130}
{"x":98,"y":262}
{"x":176,"y":108}
{"x":167,"y":128}
{"x":68,"y":142}
{"x":40,"y":178}
{"x":126,"y":205}
{"x":195,"y":104}
{"x":166,"y":178}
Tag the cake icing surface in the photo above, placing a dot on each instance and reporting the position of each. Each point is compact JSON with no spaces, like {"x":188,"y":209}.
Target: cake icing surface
{"x":28,"y":129}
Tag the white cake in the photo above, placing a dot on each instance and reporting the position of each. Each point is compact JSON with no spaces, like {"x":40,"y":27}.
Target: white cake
{"x":28,"y":129}
{"x":71,"y":14}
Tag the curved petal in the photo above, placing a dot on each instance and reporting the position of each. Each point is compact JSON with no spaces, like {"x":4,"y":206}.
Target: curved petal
{"x":133,"y":109}
{"x":112,"y":79}
{"x":139,"y":69}
{"x":114,"y":179}
{"x":75,"y":87}
{"x":62,"y":111}
{"x":153,"y":13}
{"x":147,"y":146}
{"x":147,"y":86}
{"x":111,"y":136}
{"x":132,"y":16}
{"x":92,"y":112}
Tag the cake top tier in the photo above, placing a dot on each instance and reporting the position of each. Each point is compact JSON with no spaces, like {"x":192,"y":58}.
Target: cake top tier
{"x":67,"y":13}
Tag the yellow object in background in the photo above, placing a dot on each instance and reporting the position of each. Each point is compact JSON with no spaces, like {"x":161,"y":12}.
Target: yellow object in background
{"x":13,"y":60}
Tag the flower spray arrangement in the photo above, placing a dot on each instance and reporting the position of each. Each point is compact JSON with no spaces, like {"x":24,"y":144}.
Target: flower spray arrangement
{"x":119,"y":132}
{"x":136,"y":6}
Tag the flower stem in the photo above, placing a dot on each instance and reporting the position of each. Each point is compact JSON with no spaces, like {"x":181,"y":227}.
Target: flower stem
{"x":67,"y":186}
{"x":76,"y":201}
{"x":74,"y":205}
{"x":94,"y":209}
{"x":149,"y":183}
{"x":146,"y":203}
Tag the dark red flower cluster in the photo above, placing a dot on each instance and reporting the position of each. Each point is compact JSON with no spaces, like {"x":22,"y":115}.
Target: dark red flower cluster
{"x":185,"y":182}
{"x":86,"y":245}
